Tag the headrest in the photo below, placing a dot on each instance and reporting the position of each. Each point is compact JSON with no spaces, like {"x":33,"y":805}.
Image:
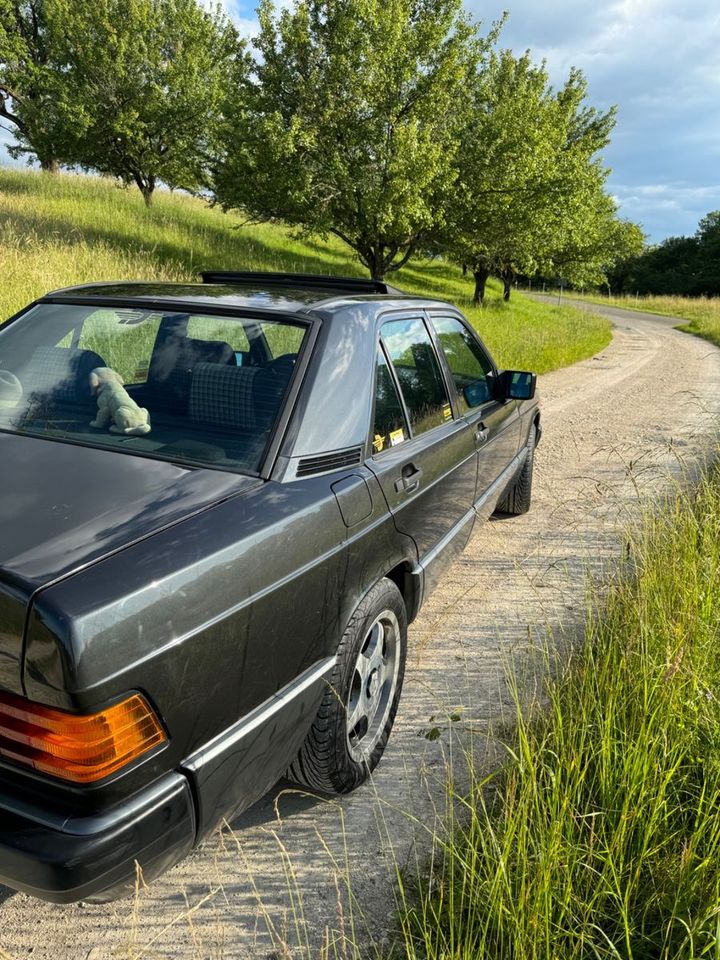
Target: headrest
{"x":61,"y":373}
{"x":223,"y":396}
{"x":210,"y":351}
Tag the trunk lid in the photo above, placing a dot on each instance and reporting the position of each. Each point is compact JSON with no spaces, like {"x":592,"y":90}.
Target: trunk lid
{"x":64,"y":506}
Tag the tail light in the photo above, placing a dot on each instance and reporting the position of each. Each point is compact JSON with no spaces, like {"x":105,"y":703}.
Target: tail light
{"x":74,"y":747}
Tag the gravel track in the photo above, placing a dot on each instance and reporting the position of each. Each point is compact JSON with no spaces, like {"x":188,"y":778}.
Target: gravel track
{"x":618,"y":429}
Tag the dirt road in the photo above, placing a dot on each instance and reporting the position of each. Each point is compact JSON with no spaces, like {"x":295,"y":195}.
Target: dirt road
{"x":616,"y":429}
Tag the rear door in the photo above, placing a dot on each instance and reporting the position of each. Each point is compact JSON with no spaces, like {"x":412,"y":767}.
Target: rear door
{"x":495,"y":423}
{"x":423,"y":453}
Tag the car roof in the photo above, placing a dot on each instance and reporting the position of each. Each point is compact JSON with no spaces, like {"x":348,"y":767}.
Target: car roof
{"x":274,"y":296}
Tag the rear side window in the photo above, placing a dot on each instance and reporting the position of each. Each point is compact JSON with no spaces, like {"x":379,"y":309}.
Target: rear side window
{"x":218,"y":331}
{"x":389,"y":427}
{"x":123,"y":338}
{"x":468,"y":362}
{"x":412,"y":354}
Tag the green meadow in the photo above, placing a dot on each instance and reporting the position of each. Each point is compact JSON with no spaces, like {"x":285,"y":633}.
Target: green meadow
{"x":60,"y":230}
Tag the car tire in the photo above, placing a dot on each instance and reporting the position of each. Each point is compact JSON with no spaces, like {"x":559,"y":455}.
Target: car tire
{"x":518,"y":497}
{"x":353,"y":723}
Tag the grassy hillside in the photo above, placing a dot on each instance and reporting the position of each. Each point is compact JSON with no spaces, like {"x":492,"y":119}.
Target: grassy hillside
{"x":56,"y":231}
{"x":702,"y":314}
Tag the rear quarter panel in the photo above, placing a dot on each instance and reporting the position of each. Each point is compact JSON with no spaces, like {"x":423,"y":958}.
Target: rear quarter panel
{"x":209,"y":618}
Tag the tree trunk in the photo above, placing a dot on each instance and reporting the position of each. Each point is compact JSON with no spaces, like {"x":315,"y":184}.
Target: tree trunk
{"x":507,"y":275}
{"x":146,"y":185}
{"x":481,"y":278}
{"x":49,"y":165}
{"x":374,"y":261}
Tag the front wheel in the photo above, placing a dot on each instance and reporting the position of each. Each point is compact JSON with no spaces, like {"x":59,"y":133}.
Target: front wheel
{"x":517,"y":499}
{"x":353,"y":723}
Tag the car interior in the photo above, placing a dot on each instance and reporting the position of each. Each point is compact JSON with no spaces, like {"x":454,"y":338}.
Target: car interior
{"x":207,"y":401}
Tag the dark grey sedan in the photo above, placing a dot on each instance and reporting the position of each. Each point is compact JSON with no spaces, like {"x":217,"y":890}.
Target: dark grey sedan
{"x":221,"y":505}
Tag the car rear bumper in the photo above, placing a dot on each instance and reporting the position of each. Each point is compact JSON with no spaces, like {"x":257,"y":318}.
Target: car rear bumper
{"x":65,"y":859}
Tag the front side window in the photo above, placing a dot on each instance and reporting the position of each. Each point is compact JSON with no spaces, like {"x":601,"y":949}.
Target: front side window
{"x":469,"y":365}
{"x":412,"y":354}
{"x":172,"y":384}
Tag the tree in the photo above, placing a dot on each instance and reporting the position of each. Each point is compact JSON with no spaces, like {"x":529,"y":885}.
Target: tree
{"x":592,"y":241}
{"x":526,"y":175}
{"x":685,"y":266}
{"x":141,"y":87}
{"x":708,"y":241}
{"x":349,"y":124}
{"x":26,"y":80}
{"x":630,"y":242}
{"x":503,"y":156}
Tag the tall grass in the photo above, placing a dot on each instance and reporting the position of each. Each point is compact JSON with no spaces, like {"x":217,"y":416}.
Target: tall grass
{"x":702,"y":313}
{"x":600,"y":836}
{"x":57,"y":231}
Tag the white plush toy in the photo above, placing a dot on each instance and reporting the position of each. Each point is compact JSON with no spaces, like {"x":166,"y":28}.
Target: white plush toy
{"x":115,"y":405}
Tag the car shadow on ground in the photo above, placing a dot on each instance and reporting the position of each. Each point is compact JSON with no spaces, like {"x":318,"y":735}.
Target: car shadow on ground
{"x":283,"y":800}
{"x":6,"y":893}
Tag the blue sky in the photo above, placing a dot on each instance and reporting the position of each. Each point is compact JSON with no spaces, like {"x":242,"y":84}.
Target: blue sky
{"x":659,"y":61}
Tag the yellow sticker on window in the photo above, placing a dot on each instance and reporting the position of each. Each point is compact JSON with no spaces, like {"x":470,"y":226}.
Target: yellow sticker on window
{"x":396,"y":437}
{"x":447,"y":411}
{"x":378,"y":442}
{"x":141,"y":372}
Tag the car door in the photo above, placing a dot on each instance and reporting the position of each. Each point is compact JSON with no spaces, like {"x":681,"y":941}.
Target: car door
{"x":423,"y":453}
{"x":495,"y":423}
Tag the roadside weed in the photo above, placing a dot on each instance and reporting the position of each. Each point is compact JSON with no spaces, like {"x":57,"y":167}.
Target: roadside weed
{"x":599,"y":837}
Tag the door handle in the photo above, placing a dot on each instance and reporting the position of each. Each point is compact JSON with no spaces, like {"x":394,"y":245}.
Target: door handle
{"x":410,"y":479}
{"x":482,"y":433}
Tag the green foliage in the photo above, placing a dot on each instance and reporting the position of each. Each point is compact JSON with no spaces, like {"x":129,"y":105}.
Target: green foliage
{"x":55,"y":231}
{"x":682,"y":266}
{"x":26,"y":80}
{"x":530,"y":193}
{"x":349,"y":125}
{"x":390,"y":125}
{"x":130,"y":88}
{"x":143,"y":86}
{"x":506,"y":164}
{"x":600,"y":836}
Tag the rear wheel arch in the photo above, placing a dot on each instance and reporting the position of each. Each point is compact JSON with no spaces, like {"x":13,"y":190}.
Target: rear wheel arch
{"x":536,"y":424}
{"x":354,"y":720}
{"x":409,"y":584}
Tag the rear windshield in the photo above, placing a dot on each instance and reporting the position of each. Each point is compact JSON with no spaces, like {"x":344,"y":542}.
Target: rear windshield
{"x":183,"y":386}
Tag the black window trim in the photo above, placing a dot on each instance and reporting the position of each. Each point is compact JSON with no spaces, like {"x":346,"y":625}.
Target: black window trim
{"x":445,"y":370}
{"x":451,"y":314}
{"x":412,"y":314}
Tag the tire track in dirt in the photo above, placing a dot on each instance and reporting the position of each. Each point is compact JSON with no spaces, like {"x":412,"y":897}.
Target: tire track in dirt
{"x":618,"y":429}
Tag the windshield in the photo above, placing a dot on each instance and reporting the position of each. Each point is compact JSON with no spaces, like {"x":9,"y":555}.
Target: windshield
{"x":183,"y":386}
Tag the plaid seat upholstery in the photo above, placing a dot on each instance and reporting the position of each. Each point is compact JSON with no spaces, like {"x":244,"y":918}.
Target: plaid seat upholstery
{"x":172,"y":364}
{"x":61,"y":374}
{"x":223,"y":396}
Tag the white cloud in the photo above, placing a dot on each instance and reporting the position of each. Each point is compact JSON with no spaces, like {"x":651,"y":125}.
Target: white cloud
{"x":658,"y":61}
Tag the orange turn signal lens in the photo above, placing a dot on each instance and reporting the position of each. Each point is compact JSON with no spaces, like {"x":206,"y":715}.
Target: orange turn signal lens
{"x":81,"y":749}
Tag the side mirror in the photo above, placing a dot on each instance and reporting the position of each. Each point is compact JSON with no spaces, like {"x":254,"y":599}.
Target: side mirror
{"x":517,"y":385}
